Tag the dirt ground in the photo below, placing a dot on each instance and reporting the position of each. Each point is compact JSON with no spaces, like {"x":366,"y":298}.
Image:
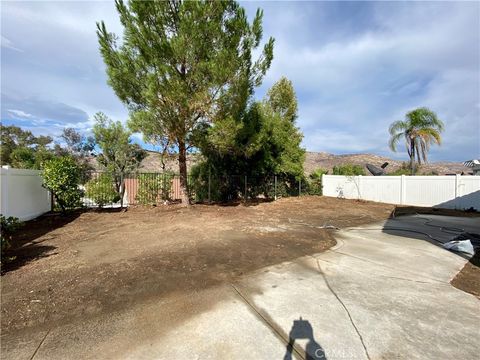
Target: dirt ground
{"x":469,"y":278}
{"x":71,"y":267}
{"x":94,"y":262}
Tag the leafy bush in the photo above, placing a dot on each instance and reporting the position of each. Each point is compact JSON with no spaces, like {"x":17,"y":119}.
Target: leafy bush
{"x":261,"y":186}
{"x":7,"y":227}
{"x":431,"y":173}
{"x":153,"y":188}
{"x":404,"y":170}
{"x":315,"y":181}
{"x":61,"y":176}
{"x":101,"y":190}
{"x":224,"y":188}
{"x":23,"y":158}
{"x":198,"y":185}
{"x":348,"y":170}
{"x":288,"y":185}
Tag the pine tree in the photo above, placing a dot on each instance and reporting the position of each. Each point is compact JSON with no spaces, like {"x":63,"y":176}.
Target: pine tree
{"x":182,"y":64}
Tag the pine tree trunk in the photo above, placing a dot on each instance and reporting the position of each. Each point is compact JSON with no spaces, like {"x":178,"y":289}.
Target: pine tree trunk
{"x":182,"y":163}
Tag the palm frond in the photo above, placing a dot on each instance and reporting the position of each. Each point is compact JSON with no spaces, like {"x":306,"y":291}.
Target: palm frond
{"x":392,"y":143}
{"x":397,"y":126}
{"x":431,"y":134}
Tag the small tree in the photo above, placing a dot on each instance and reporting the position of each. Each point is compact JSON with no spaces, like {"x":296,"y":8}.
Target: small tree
{"x":315,"y":181}
{"x":61,"y":176}
{"x":79,"y":147}
{"x":119,"y":156}
{"x":21,"y":149}
{"x":76,"y":144}
{"x":102,"y":190}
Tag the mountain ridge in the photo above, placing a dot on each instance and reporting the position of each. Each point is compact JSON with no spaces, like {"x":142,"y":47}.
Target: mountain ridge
{"x":315,"y":160}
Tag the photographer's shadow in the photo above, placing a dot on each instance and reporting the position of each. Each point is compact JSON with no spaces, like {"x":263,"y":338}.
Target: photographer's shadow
{"x":302,"y":329}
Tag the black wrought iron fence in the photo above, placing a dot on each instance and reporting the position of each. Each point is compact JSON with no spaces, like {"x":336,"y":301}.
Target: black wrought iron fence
{"x":101,"y":189}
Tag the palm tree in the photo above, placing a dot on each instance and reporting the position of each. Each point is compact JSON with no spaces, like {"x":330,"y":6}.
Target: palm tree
{"x":420,"y":128}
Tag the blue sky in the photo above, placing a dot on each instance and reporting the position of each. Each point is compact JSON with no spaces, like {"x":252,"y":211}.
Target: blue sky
{"x":356,"y":67}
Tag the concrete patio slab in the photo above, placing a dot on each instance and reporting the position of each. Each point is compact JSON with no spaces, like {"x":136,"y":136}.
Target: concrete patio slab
{"x":394,"y":289}
{"x":211,"y":324}
{"x":376,"y":295}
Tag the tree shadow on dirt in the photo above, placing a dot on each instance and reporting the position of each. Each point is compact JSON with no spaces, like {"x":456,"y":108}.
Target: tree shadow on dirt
{"x":302,"y":329}
{"x":25,"y":247}
{"x":26,"y":254}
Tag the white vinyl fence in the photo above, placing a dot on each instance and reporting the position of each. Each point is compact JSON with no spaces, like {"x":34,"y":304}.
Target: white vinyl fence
{"x":22,"y":194}
{"x":451,"y":192}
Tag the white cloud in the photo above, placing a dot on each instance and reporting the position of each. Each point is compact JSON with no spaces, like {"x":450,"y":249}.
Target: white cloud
{"x":20,"y":114}
{"x":61,"y":62}
{"x":7,"y":44}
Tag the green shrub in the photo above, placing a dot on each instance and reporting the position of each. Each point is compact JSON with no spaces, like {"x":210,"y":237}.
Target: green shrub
{"x":23,"y":158}
{"x":404,"y":170}
{"x":101,"y":190}
{"x":430,"y":173}
{"x":348,"y":170}
{"x":61,"y":175}
{"x":7,"y":227}
{"x":315,"y":181}
{"x":288,"y":185}
{"x":224,"y":188}
{"x":198,"y":183}
{"x":153,"y":188}
{"x":261,"y":186}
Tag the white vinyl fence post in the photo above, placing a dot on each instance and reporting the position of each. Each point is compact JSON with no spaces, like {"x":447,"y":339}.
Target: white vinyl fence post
{"x":458,"y":193}
{"x":402,"y":190}
{"x":359,"y":187}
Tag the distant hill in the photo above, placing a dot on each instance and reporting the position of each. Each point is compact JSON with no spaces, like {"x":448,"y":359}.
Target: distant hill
{"x":315,"y":160}
{"x":153,"y":162}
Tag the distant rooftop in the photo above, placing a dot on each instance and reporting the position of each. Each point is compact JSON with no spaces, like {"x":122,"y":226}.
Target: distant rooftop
{"x":472,"y":163}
